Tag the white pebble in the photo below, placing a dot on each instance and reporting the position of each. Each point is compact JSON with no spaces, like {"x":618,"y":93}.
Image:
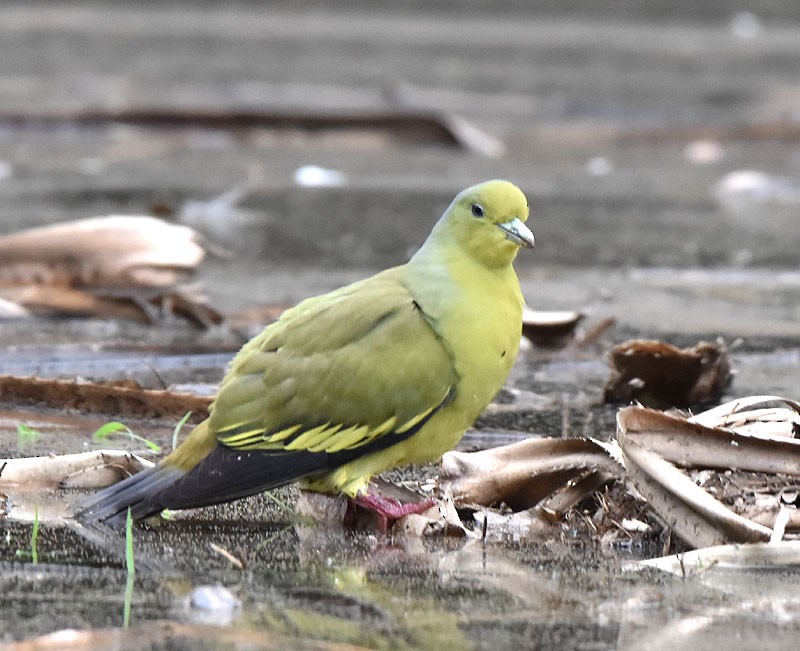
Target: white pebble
{"x":313,"y":176}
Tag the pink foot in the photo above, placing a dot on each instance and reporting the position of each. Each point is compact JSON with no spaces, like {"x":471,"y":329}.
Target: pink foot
{"x":385,"y":509}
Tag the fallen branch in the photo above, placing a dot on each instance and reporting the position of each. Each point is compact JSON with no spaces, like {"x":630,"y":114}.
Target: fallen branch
{"x":119,"y":399}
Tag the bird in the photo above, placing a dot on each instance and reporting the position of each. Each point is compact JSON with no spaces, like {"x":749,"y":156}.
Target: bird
{"x":388,"y":371}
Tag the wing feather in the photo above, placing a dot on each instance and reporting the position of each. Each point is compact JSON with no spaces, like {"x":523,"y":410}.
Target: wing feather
{"x":336,"y":374}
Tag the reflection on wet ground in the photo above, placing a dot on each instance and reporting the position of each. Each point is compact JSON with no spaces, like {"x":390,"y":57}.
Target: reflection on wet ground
{"x":367,"y":590}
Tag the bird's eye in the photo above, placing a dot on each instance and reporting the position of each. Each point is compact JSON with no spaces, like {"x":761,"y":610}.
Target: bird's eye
{"x":477,"y":210}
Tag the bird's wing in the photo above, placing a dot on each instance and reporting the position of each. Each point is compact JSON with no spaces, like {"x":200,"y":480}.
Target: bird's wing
{"x":337,"y":373}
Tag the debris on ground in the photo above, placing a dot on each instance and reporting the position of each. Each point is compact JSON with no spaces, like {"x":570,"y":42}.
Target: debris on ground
{"x":729,"y":475}
{"x":524,"y":474}
{"x":658,"y":374}
{"x":550,"y":329}
{"x":169,"y":633}
{"x":119,"y":398}
{"x":696,"y":502}
{"x":119,"y":266}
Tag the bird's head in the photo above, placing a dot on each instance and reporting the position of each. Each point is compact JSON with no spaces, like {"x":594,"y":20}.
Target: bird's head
{"x":486,"y":221}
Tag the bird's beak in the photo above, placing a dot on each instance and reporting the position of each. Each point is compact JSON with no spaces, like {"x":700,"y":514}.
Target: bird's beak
{"x":517,"y":232}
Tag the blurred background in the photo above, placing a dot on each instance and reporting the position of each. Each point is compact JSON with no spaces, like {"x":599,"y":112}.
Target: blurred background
{"x":305,"y":137}
{"x":327,"y":136}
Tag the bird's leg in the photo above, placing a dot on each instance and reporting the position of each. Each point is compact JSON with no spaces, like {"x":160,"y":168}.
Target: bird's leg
{"x":390,"y":507}
{"x":386,"y":509}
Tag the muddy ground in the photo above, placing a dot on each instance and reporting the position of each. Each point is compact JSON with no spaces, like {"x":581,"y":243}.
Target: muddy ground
{"x":622,"y":127}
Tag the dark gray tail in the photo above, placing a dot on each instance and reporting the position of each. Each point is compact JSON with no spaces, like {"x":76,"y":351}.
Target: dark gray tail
{"x":224,"y":475}
{"x":139,"y":493}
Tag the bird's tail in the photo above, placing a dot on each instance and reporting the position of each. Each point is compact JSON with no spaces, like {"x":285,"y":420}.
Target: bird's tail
{"x":150,"y":491}
{"x":140,"y":493}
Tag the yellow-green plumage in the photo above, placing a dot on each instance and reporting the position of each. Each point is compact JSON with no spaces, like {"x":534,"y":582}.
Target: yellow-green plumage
{"x":387,"y":371}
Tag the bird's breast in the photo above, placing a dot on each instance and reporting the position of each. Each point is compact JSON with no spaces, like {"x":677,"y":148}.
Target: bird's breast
{"x":482,"y":326}
{"x":477,"y":314}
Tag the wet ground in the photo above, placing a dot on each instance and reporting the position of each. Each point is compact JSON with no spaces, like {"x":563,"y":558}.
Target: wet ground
{"x":628,"y":132}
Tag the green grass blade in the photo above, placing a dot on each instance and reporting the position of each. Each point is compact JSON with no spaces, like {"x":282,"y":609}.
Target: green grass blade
{"x":113,"y":427}
{"x":35,"y":537}
{"x":26,"y":435}
{"x":131,"y":567}
{"x":129,"y":543}
{"x":178,"y":429}
{"x":126,"y":605}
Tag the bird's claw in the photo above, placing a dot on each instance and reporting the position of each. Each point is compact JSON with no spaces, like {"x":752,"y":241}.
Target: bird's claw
{"x":385,"y":509}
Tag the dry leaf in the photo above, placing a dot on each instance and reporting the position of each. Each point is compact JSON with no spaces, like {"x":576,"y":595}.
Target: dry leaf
{"x":134,"y":305}
{"x":114,"y":251}
{"x":652,"y":441}
{"x":766,"y":421}
{"x":114,"y":267}
{"x":658,"y":374}
{"x":750,"y":556}
{"x":521,"y":474}
{"x":440,"y":520}
{"x":32,"y":485}
{"x":692,"y":445}
{"x":383,"y":125}
{"x":83,"y":470}
{"x":549,"y":329}
{"x":691,"y":512}
{"x":575,"y":491}
{"x":44,"y":300}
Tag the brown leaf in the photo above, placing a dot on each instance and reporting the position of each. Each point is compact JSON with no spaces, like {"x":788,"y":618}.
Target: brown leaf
{"x":658,"y":374}
{"x":137,"y":305}
{"x":692,"y":445}
{"x":112,"y":267}
{"x":33,"y":485}
{"x":114,"y":251}
{"x":576,"y":490}
{"x":691,"y":512}
{"x":652,"y":441}
{"x":440,"y":520}
{"x":44,"y":300}
{"x":82,"y":470}
{"x":549,"y":329}
{"x":521,"y":474}
{"x":403,"y":125}
{"x":766,"y":420}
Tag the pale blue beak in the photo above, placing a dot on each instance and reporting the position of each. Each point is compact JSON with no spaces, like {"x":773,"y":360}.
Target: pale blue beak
{"x":517,"y":232}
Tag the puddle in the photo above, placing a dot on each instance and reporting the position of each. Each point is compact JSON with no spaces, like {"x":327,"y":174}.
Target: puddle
{"x":367,"y":590}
